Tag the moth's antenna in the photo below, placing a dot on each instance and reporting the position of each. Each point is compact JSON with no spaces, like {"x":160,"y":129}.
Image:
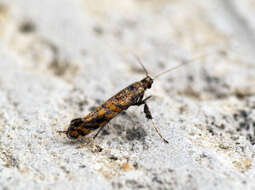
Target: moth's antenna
{"x":178,"y":66}
{"x":140,"y":62}
{"x":161,"y":73}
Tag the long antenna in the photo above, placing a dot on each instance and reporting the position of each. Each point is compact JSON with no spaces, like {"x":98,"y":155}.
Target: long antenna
{"x":140,"y":62}
{"x":173,"y":68}
{"x":178,"y":66}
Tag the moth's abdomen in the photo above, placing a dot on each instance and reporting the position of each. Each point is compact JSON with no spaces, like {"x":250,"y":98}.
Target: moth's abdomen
{"x":76,"y":128}
{"x":107,"y":111}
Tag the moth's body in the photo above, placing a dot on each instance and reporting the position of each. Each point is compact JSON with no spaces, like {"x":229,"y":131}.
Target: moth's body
{"x":129,"y":96}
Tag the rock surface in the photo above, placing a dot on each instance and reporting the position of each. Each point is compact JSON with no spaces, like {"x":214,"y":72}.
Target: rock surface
{"x":60,"y":58}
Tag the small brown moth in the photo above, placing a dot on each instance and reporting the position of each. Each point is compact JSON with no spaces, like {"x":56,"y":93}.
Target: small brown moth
{"x":133,"y":95}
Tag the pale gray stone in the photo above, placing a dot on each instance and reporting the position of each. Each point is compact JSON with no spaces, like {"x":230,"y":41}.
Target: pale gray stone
{"x":59,"y":59}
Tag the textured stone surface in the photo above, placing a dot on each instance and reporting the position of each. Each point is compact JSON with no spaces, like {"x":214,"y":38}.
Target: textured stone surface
{"x":59,"y":59}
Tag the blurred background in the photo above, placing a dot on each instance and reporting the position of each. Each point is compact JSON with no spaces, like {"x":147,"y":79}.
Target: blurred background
{"x":59,"y":59}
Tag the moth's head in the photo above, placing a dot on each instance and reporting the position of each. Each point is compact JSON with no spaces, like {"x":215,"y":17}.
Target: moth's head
{"x":147,"y":81}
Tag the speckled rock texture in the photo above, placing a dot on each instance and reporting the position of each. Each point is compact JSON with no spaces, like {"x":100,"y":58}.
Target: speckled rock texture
{"x":59,"y":59}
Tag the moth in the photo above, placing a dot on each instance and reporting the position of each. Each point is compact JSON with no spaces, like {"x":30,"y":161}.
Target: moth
{"x":132,"y":95}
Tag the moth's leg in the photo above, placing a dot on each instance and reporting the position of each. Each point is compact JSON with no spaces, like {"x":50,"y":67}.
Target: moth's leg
{"x":142,"y":101}
{"x":139,"y":100}
{"x":149,"y":117}
{"x":98,"y":131}
{"x":147,"y":111}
